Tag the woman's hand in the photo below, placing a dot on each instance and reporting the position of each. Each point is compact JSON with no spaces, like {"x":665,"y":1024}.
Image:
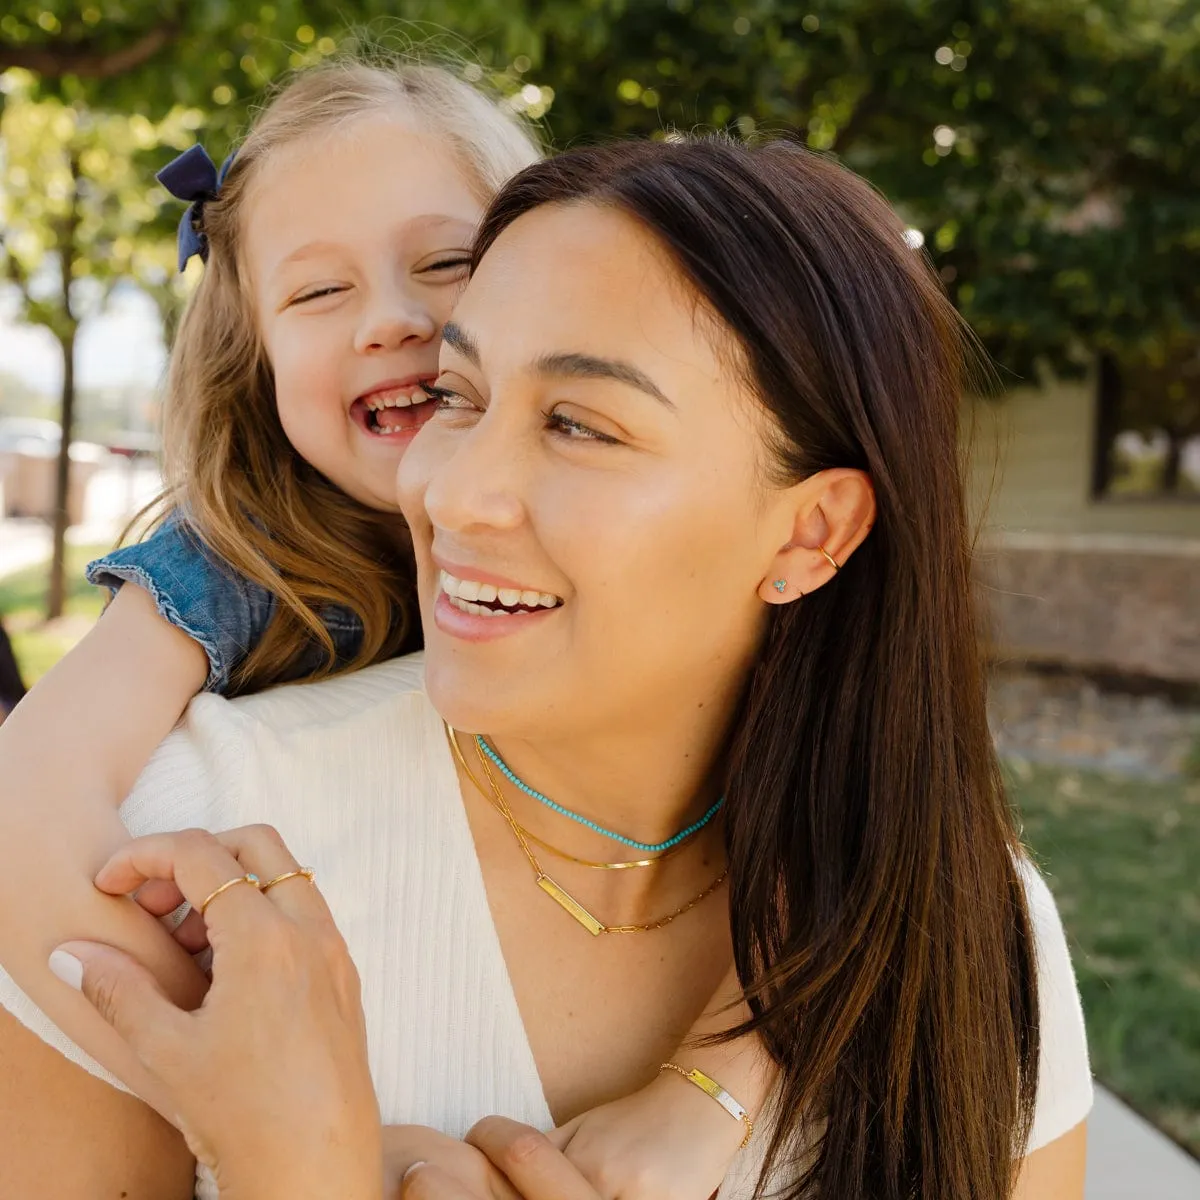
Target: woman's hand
{"x":406,"y":1146}
{"x":527,"y":1164}
{"x":269,"y":1076}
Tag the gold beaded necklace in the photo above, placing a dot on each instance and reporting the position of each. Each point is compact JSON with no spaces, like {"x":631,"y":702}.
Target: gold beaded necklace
{"x":553,"y":889}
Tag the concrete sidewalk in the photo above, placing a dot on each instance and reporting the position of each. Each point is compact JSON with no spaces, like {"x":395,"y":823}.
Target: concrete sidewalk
{"x":1128,"y":1159}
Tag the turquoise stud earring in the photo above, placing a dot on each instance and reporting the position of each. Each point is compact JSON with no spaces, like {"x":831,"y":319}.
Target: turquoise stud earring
{"x":780,"y":584}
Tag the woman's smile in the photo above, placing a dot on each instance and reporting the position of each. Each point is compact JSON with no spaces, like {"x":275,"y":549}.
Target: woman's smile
{"x":469,"y":603}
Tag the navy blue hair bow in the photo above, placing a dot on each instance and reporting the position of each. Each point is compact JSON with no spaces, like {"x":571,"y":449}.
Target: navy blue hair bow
{"x":192,"y":176}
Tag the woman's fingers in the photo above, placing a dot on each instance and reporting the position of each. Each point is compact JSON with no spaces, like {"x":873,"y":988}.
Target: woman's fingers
{"x":407,"y":1145}
{"x":194,"y":864}
{"x":560,"y":1138}
{"x":159,"y":897}
{"x":525,"y":1155}
{"x":192,"y":933}
{"x":195,"y":861}
{"x":123,"y":992}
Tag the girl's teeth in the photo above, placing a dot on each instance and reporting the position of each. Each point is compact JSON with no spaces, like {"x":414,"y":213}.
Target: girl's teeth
{"x":487,"y":592}
{"x":546,"y":600}
{"x":468,"y":589}
{"x":509,"y":597}
{"x":531,"y":599}
{"x":384,"y":400}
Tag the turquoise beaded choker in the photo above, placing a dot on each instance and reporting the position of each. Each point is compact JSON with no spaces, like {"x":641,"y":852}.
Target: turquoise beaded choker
{"x":645,"y":847}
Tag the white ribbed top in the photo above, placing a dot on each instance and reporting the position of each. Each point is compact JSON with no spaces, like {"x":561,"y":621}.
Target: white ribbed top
{"x":357,"y":776}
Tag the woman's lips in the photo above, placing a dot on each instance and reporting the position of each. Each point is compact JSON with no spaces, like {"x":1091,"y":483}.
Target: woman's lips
{"x":473,"y":627}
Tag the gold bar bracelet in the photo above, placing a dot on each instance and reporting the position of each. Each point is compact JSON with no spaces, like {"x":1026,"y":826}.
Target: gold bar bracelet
{"x":710,"y":1087}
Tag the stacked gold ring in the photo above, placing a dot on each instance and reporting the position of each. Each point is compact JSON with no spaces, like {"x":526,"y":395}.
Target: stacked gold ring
{"x":251,"y":879}
{"x":301,"y":872}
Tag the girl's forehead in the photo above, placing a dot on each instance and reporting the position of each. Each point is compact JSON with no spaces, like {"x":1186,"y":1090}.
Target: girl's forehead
{"x":372,"y":151}
{"x":363,"y":186}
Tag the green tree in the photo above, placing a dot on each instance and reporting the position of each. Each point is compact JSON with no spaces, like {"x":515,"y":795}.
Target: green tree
{"x":75,"y":205}
{"x":1048,"y":150}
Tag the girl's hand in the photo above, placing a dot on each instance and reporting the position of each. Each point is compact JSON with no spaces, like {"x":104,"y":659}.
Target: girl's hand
{"x":668,"y":1141}
{"x":527,"y":1164}
{"x":269,"y":1077}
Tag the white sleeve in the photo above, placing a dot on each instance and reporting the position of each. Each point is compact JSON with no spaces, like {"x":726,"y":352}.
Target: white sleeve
{"x":1064,"y":1091}
{"x":180,"y":789}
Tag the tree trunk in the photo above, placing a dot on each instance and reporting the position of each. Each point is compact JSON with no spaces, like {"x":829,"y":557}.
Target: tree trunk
{"x":62,"y":485}
{"x":67,"y":251}
{"x":1173,"y":461}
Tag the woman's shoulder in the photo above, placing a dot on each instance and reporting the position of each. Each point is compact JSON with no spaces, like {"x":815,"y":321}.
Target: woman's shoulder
{"x":327,"y":702}
{"x":1064,"y":1093}
{"x":212,"y":766}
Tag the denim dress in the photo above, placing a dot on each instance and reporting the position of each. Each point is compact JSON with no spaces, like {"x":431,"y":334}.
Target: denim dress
{"x":216,"y":606}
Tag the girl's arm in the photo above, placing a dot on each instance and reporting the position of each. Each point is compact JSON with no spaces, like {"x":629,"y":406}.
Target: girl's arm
{"x":69,"y":754}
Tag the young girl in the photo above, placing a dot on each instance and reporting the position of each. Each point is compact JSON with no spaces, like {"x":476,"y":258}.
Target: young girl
{"x":334,"y":244}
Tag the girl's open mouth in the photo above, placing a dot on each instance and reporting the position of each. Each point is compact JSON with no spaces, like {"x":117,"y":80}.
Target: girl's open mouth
{"x":395,"y":411}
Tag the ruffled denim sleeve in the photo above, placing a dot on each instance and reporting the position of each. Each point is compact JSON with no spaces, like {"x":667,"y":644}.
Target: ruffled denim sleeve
{"x":196,"y":591}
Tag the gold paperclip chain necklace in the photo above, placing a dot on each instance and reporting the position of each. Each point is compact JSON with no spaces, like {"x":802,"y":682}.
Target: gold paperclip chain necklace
{"x":554,"y":890}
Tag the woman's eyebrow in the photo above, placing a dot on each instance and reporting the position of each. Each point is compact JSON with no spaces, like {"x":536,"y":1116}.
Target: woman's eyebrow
{"x":570,"y":365}
{"x":590,"y":366}
{"x":457,"y":338}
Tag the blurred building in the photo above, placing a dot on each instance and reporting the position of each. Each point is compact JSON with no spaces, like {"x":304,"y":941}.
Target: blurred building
{"x":1090,"y":557}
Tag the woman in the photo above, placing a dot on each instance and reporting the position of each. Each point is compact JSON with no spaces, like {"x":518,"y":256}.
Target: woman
{"x":710,"y":472}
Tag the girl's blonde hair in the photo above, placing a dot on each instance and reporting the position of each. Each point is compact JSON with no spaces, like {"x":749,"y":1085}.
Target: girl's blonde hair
{"x":228,"y":464}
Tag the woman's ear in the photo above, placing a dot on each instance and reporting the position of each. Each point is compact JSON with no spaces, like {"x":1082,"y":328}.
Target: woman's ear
{"x":832,"y":513}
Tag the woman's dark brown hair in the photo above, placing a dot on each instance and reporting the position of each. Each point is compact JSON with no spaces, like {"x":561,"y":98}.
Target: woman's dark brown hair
{"x":879,"y":921}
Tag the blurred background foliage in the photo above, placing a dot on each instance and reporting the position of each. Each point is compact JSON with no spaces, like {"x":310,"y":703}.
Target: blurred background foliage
{"x":1049,"y":150}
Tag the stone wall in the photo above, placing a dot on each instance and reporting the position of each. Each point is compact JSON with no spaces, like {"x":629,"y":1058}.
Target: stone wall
{"x":1112,"y":604}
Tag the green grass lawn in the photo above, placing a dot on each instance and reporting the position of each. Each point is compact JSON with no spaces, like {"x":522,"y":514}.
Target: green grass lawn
{"x":1123,"y":861}
{"x":39,"y":644}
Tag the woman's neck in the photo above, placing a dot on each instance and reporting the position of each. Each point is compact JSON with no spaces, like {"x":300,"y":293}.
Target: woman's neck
{"x":645,"y":779}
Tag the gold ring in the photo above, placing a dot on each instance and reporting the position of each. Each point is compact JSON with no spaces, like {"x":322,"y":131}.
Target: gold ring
{"x":306,"y":872}
{"x":250,"y":879}
{"x":829,"y":558}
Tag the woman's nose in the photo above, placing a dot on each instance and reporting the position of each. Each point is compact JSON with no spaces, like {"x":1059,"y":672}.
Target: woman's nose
{"x":476,"y":484}
{"x":392,"y":320}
